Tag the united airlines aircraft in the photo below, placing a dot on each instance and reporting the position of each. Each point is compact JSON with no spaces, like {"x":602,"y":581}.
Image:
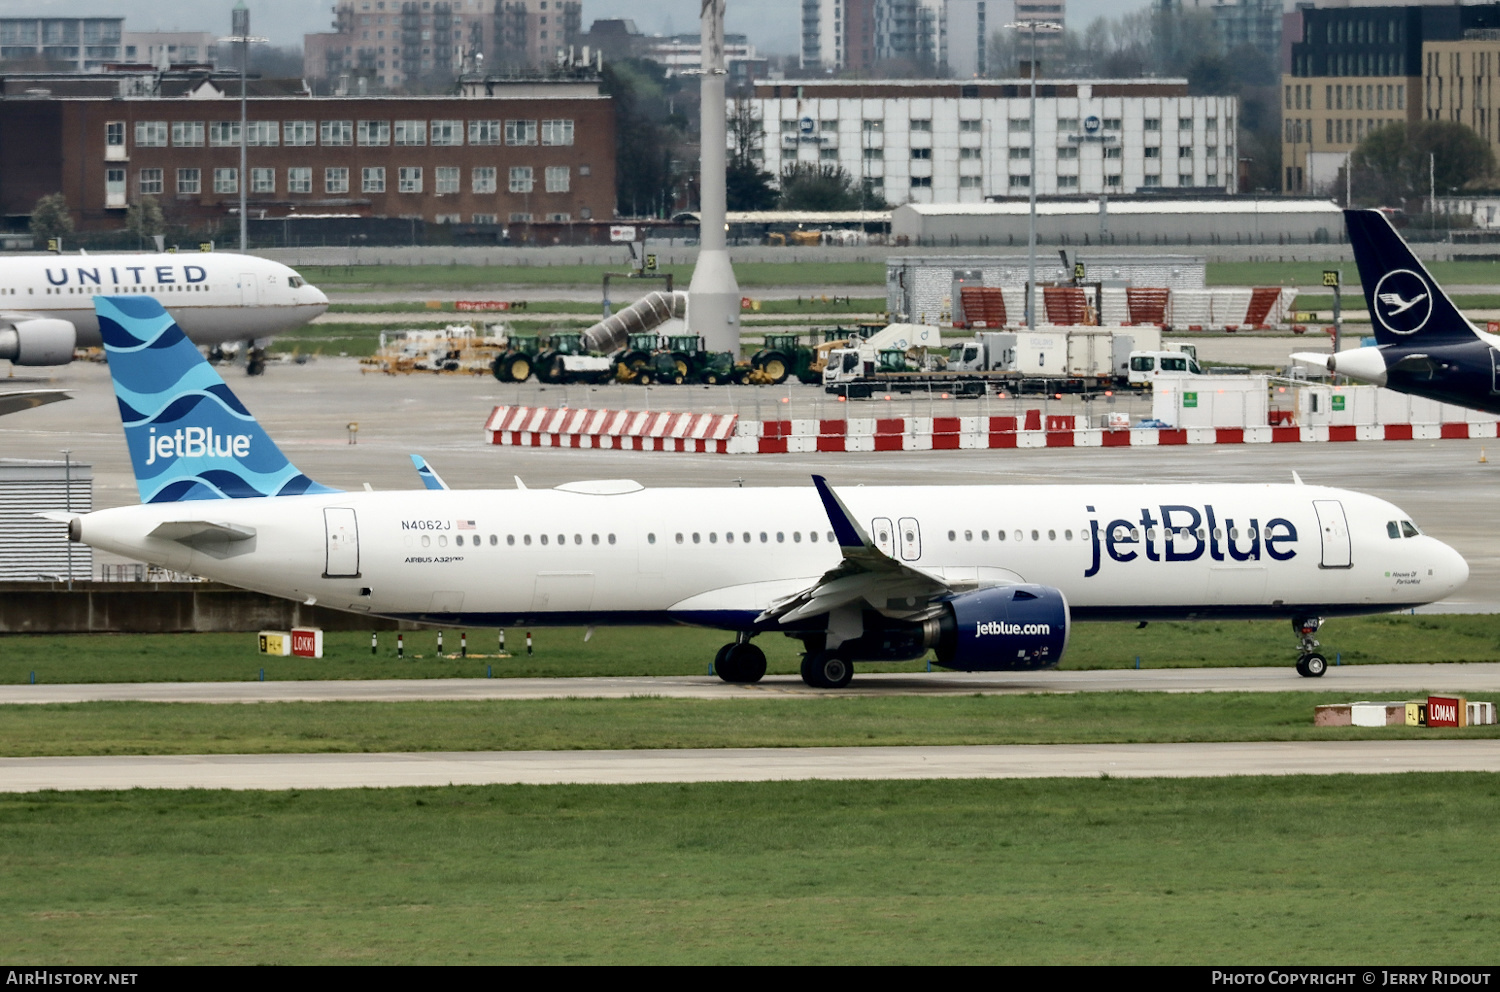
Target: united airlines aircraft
{"x":1423,"y":344}
{"x":47,"y":301}
{"x":987,"y":577}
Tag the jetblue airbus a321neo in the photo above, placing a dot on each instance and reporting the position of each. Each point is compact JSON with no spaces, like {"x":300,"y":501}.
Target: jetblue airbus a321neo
{"x":1423,"y":345}
{"x":989,"y":578}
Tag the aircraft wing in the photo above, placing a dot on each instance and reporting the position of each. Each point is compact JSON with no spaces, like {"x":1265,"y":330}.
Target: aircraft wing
{"x":15,"y":400}
{"x":11,"y":316}
{"x":866,"y":574}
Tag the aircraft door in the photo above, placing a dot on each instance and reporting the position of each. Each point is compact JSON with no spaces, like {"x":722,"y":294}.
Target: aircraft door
{"x":911,"y":538}
{"x":883,"y":533}
{"x":249,"y":292}
{"x":1334,"y":528}
{"x":1494,"y":371}
{"x":343,"y":543}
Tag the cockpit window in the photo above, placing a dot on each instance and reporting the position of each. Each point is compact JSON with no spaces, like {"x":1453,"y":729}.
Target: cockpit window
{"x":296,"y":282}
{"x":1409,"y":529}
{"x":1393,"y":530}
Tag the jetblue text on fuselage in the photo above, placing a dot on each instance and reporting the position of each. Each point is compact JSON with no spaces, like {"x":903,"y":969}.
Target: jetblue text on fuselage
{"x":134,"y":275}
{"x":197,"y":442}
{"x":1187,"y":533}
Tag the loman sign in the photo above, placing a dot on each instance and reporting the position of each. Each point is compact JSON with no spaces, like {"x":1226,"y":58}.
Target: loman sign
{"x":1190,"y":399}
{"x":1338,"y":402}
{"x":1447,"y":711}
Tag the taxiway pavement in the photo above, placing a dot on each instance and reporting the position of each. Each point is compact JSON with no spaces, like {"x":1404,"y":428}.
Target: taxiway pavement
{"x":353,"y":771}
{"x":1355,"y":680}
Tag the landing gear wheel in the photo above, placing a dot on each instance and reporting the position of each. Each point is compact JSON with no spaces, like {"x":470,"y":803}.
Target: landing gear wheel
{"x":1312,"y":666}
{"x":826,"y":670}
{"x":740,"y":663}
{"x":255,"y":362}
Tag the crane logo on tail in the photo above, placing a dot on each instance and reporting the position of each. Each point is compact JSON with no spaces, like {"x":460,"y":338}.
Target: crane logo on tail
{"x":1403,"y":302}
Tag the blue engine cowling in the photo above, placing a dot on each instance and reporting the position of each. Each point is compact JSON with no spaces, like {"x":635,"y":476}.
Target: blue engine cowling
{"x":1004,"y":629}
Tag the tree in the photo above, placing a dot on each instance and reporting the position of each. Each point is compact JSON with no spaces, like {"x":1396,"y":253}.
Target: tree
{"x":50,"y":218}
{"x":1392,"y":164}
{"x":810,"y":187}
{"x":143,"y":218}
{"x":646,"y":144}
{"x":748,"y":186}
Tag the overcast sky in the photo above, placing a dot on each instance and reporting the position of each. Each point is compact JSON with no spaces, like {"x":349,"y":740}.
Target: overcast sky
{"x":772,"y":25}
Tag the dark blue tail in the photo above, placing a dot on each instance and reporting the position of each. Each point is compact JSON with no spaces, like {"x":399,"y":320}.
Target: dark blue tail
{"x":1407,"y":306}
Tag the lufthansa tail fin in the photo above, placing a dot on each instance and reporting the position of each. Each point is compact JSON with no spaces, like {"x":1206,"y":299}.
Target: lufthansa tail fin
{"x":189,"y":436}
{"x":1406,"y":304}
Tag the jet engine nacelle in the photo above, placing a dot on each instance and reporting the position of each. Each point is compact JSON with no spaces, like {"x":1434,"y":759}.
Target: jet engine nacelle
{"x":44,"y":341}
{"x":1005,"y":628}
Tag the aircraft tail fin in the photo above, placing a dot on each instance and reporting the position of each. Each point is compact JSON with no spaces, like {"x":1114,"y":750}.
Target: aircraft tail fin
{"x":189,"y":436}
{"x":1406,"y":303}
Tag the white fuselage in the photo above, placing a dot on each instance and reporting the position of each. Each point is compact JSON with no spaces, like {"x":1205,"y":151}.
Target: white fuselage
{"x":718,"y":557}
{"x":215,"y":297}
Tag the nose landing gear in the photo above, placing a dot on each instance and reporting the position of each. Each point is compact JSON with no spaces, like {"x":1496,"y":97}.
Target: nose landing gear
{"x":1310,"y":664}
{"x":740,"y":662}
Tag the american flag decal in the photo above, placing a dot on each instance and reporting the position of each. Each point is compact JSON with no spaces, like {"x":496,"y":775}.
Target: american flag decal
{"x":464,"y":524}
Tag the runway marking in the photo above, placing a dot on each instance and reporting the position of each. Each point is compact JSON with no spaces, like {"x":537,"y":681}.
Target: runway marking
{"x":1357,"y":681}
{"x":348,"y":771}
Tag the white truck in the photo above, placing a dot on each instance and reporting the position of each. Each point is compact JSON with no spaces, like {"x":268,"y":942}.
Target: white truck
{"x":1069,"y":358}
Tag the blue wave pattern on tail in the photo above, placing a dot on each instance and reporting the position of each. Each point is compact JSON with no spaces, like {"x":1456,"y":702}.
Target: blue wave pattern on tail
{"x":430,"y":478}
{"x":189,"y":436}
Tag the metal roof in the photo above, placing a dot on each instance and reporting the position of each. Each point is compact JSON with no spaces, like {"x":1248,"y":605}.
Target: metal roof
{"x":1065,"y":208}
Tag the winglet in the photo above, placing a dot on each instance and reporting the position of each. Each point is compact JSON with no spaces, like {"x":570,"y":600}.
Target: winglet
{"x":1296,"y":479}
{"x":425,"y":472}
{"x":845,"y":529}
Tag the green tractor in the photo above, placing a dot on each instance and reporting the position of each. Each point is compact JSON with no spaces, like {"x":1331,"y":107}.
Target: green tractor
{"x":549,"y":365}
{"x":694,"y":364}
{"x":518,"y":360}
{"x":643,"y":362}
{"x":784,"y":355}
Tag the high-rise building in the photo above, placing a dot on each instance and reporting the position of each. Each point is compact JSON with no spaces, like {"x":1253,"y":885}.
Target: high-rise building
{"x":1356,"y":69}
{"x":1239,"y":23}
{"x":171,"y":47}
{"x":857,"y":35}
{"x":81,"y":44}
{"x":395,"y":42}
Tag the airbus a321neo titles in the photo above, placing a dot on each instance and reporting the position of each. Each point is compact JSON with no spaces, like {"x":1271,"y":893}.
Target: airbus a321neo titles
{"x":1423,"y":344}
{"x":47,"y":301}
{"x":989,"y":578}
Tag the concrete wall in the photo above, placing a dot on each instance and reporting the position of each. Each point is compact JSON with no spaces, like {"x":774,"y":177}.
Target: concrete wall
{"x":161,"y":607}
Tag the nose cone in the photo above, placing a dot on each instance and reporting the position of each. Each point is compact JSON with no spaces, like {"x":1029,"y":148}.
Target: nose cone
{"x":1452,"y":572}
{"x":314,"y":299}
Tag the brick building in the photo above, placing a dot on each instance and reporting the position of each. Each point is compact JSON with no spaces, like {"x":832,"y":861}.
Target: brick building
{"x":535,"y":152}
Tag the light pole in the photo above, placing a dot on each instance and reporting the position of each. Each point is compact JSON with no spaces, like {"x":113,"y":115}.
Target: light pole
{"x":239,"y":19}
{"x":1032,"y":27}
{"x":68,"y":507}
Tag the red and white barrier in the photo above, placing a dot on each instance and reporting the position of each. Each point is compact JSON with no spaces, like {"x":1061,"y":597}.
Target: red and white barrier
{"x":625,"y":430}
{"x":643,"y":430}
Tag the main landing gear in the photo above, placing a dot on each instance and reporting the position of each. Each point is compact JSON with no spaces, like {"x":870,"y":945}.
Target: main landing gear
{"x":740,"y":662}
{"x":1310,"y":664}
{"x":826,"y":670}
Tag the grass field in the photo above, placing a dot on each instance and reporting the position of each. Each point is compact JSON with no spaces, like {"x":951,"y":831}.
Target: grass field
{"x":1396,"y":869}
{"x":809,"y":306}
{"x":561,"y":651}
{"x":613,"y":724}
{"x":496,"y":277}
